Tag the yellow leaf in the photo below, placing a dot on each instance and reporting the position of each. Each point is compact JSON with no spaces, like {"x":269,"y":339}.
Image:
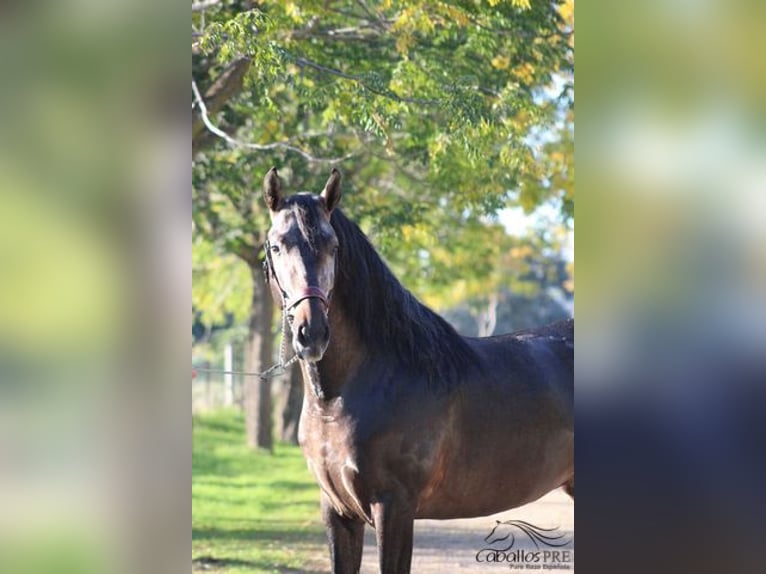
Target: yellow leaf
{"x":525,"y":72}
{"x":501,"y":62}
{"x":566,"y":10}
{"x":522,"y":4}
{"x":294,"y":12}
{"x":404,"y":42}
{"x":458,"y":16}
{"x":404,"y":18}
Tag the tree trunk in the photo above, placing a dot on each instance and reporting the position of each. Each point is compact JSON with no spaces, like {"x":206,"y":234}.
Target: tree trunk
{"x":291,"y":413}
{"x":259,"y":356}
{"x":487,"y":319}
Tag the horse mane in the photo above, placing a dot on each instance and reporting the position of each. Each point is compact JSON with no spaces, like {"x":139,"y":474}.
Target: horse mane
{"x":389,"y":317}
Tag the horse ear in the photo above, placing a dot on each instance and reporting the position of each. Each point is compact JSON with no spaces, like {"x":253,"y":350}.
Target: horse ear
{"x":272,"y":190}
{"x":331,"y":192}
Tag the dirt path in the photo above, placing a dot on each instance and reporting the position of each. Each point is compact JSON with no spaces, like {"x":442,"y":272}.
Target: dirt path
{"x":447,"y":546}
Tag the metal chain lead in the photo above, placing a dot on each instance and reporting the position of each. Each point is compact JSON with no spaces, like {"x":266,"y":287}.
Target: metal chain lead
{"x":272,"y":371}
{"x":281,"y":364}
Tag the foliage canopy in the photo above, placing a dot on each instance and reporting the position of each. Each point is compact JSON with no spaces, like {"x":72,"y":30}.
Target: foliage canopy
{"x":439,"y":114}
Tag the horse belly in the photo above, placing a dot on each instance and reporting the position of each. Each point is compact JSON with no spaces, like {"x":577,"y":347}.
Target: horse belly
{"x":497,"y":479}
{"x":512,"y":441}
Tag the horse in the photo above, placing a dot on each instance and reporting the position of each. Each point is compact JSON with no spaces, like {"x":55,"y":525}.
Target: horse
{"x":402,"y":417}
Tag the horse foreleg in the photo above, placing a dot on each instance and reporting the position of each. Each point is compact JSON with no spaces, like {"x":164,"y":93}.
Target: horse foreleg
{"x":346,"y":538}
{"x":393,"y":529}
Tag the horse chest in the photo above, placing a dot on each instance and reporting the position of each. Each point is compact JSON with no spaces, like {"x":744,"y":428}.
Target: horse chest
{"x":331,"y":459}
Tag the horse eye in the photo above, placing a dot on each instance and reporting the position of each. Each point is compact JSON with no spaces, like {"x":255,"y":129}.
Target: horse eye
{"x":275,"y":248}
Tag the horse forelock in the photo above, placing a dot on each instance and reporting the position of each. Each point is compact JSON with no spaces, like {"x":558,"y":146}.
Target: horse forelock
{"x":312,"y":225}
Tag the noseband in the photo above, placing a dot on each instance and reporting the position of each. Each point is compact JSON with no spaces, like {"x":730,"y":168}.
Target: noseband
{"x":310,"y":292}
{"x":307,"y":293}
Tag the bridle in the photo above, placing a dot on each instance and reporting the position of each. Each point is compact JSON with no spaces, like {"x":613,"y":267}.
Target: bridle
{"x":310,"y":292}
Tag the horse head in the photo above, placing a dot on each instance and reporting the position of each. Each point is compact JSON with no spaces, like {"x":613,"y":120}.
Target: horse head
{"x":301,"y":260}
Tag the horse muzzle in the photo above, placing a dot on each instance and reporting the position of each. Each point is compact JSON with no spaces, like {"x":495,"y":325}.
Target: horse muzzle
{"x":311,"y":329}
{"x":310,"y":338}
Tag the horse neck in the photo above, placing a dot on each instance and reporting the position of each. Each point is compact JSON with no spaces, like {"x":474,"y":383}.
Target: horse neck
{"x":344,"y":354}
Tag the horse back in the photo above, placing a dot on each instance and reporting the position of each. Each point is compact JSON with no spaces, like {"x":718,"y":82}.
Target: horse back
{"x":539,"y":359}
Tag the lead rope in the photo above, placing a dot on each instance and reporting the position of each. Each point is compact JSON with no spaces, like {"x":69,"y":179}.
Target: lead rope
{"x":312,"y":371}
{"x":272,"y":371}
{"x":275,"y":370}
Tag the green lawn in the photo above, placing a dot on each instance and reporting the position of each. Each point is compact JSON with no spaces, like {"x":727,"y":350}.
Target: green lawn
{"x":251,"y":511}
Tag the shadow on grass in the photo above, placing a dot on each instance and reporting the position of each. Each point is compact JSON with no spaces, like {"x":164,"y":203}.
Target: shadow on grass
{"x":205,"y":563}
{"x":291,"y":532}
{"x":224,"y":422}
{"x":275,"y":506}
{"x":208,"y":463}
{"x":290,"y":485}
{"x":252,"y":511}
{"x":295,"y":485}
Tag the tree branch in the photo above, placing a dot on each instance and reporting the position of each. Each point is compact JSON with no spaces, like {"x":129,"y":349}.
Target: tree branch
{"x":359,"y":79}
{"x":226,"y":86}
{"x":204,"y":5}
{"x":203,"y":112}
{"x":250,"y":254}
{"x":377,"y":18}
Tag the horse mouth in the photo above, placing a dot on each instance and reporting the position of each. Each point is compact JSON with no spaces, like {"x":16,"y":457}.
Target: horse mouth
{"x":312,"y":354}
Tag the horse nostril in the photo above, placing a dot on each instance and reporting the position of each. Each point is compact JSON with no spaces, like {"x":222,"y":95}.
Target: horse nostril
{"x":302,"y":334}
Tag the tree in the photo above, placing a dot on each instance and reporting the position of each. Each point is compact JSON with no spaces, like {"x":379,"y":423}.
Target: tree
{"x":529,"y":285}
{"x":428,"y":107}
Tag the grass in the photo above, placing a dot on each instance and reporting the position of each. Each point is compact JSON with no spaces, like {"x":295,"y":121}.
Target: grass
{"x":252,"y":512}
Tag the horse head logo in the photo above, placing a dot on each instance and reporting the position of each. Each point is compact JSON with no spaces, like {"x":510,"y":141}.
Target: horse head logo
{"x":505,"y":534}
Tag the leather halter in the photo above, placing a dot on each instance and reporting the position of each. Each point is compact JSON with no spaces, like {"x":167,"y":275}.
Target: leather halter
{"x":310,"y":292}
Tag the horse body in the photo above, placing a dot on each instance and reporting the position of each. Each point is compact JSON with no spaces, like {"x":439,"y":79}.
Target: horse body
{"x":498,"y":439}
{"x":403,"y":418}
{"x":511,"y":434}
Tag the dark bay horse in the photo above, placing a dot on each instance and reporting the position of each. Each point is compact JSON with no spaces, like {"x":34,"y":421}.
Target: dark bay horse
{"x":402,"y":417}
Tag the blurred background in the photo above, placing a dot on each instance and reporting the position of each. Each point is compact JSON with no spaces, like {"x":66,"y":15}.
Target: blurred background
{"x":671,"y":304}
{"x":452,"y":123}
{"x":94,"y":252}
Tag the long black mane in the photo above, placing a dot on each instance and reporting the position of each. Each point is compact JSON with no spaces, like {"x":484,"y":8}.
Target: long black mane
{"x":388,"y":317}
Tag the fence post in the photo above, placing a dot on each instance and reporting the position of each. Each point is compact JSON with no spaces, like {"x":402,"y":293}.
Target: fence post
{"x":228,"y":378}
